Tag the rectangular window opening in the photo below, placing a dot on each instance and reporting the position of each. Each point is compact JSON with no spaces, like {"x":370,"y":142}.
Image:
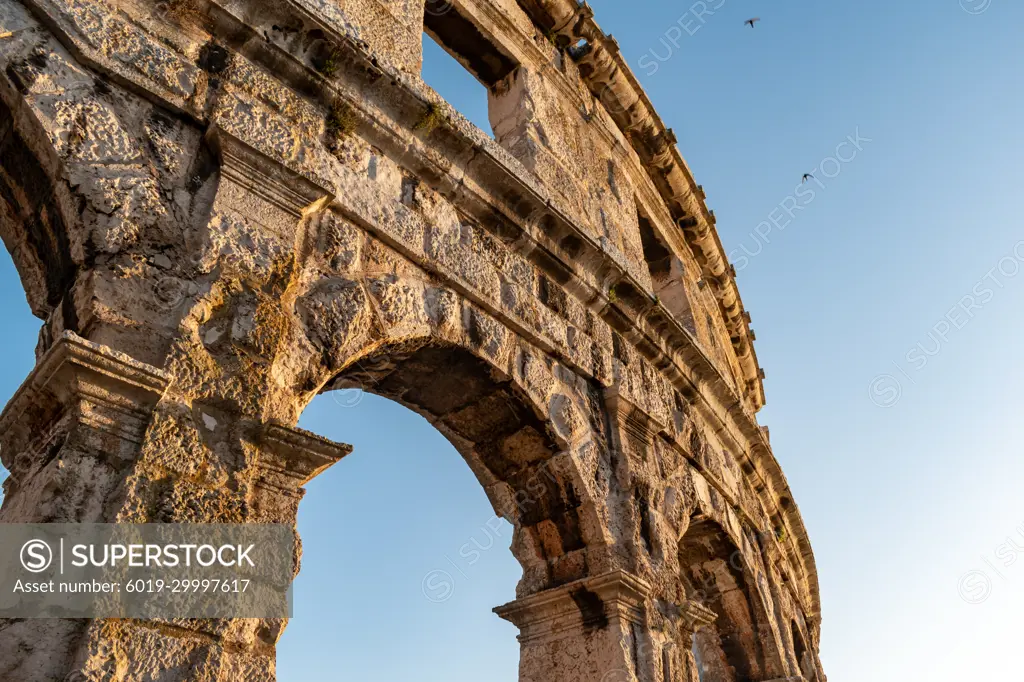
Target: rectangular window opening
{"x":460,"y":63}
{"x":667,"y":273}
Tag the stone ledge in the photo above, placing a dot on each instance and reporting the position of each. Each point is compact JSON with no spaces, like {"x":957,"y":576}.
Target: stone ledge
{"x":76,"y":371}
{"x":292,"y":457}
{"x":267,"y":177}
{"x":635,"y":430}
{"x":580,"y":607}
{"x":71,"y":348}
{"x":696,"y":616}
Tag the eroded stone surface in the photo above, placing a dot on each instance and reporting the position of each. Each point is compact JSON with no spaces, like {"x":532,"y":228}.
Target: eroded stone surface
{"x":221,"y":209}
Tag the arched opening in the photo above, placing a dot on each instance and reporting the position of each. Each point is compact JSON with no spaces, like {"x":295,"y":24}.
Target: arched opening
{"x":731,"y":648}
{"x":17,"y":342}
{"x":414,"y":561}
{"x":31,"y":220}
{"x":505,"y":440}
{"x":667,"y":274}
{"x":26,"y":219}
{"x":402,"y":556}
{"x":804,"y":664}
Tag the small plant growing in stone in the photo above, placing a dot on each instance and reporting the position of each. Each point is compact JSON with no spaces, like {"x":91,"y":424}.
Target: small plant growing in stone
{"x":342,"y":121}
{"x":329,"y":65}
{"x":781,"y":534}
{"x":612,"y":296}
{"x":432,"y":118}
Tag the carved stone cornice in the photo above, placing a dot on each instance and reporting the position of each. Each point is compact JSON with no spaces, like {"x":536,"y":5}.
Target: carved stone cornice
{"x":696,"y":616}
{"x":290,"y":458}
{"x":107,"y":390}
{"x":266,"y":177}
{"x":634,"y":430}
{"x":611,"y":80}
{"x":584,"y":606}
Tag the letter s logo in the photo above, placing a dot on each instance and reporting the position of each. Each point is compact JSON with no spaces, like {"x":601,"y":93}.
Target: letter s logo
{"x":36,"y":556}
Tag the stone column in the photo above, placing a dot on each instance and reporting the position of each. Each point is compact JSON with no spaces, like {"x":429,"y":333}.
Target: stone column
{"x":94,"y":436}
{"x":588,"y":630}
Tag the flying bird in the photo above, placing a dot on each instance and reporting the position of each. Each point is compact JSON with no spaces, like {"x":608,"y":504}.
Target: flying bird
{"x":751,"y":22}
{"x":807,"y":176}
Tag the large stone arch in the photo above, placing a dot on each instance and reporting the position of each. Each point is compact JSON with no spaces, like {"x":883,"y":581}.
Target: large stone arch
{"x":30,"y":200}
{"x":738,"y":645}
{"x":511,"y":450}
{"x":222,"y":209}
{"x":531,"y":449}
{"x":805,"y":664}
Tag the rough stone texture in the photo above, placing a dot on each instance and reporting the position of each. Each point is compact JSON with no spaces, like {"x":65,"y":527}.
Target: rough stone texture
{"x":222,"y":208}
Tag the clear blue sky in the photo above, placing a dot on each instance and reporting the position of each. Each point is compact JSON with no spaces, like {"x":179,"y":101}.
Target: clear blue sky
{"x":895,"y":414}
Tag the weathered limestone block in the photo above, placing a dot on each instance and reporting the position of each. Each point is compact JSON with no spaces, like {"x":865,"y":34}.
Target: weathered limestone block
{"x":92,"y":407}
{"x":389,"y":28}
{"x":541,"y":129}
{"x":586,"y":630}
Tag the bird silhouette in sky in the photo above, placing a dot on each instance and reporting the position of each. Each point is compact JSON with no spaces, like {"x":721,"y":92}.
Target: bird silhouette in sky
{"x":751,"y":22}
{"x":807,"y":176}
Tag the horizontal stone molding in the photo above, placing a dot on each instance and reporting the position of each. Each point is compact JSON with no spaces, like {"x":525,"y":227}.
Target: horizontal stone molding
{"x":267,"y":177}
{"x":291,"y":457}
{"x":75,"y":372}
{"x":580,"y":607}
{"x":697,"y":616}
